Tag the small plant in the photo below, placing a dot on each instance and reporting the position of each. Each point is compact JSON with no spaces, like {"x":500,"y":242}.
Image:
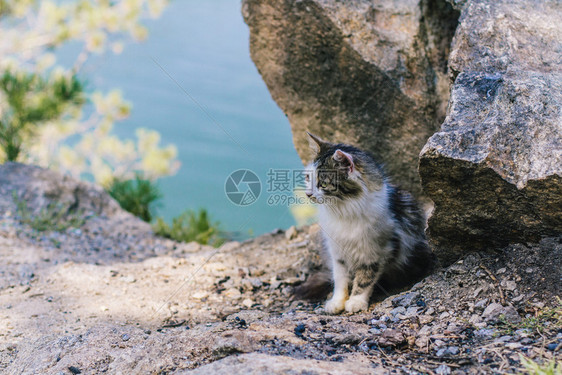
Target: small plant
{"x":55,"y":217}
{"x":138,"y":196}
{"x":33,"y":100}
{"x":191,"y":226}
{"x":550,"y":368}
{"x":537,"y":323}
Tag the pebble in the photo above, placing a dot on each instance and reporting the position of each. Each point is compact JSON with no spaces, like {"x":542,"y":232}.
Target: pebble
{"x":411,"y":311}
{"x":125,"y":337}
{"x":443,"y":370}
{"x":509,"y":284}
{"x":291,"y":233}
{"x":513,"y":345}
{"x":451,"y":350}
{"x":494,"y":311}
{"x":503,"y":339}
{"x":232,"y":293}
{"x":481,"y":304}
{"x":485,"y":332}
{"x":256,"y":283}
{"x":439,"y":343}
{"x":299,"y":329}
{"x":405,"y":299}
{"x":248,"y":303}
{"x":552,"y":347}
{"x":398,"y":310}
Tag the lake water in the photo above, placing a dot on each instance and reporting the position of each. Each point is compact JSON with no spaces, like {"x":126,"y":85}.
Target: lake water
{"x":204,"y":46}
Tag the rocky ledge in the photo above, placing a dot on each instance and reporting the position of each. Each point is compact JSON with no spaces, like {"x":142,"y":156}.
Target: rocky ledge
{"x":109,"y":296}
{"x":468,"y":90}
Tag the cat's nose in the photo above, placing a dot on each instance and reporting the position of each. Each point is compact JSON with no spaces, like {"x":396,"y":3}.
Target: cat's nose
{"x":308,"y":194}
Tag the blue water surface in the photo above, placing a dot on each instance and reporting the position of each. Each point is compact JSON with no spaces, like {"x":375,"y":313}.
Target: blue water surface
{"x":204,"y":47}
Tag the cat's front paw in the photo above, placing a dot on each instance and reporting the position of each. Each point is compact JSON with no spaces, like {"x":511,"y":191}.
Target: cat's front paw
{"x":356,"y":303}
{"x":335,"y":306}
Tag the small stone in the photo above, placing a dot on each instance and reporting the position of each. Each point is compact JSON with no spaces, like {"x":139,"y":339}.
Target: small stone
{"x":299,"y":329}
{"x":422,"y":341}
{"x":495,"y":311}
{"x":443,"y":370}
{"x":552,"y":347}
{"x":391,"y":338}
{"x":248,"y":303}
{"x":509,"y":285}
{"x":74,"y":370}
{"x":125,"y":337}
{"x":291,"y":233}
{"x":474,"y":318}
{"x":503,"y":339}
{"x":485,"y":332}
{"x":480,"y":304}
{"x":256,"y":283}
{"x":398,"y":310}
{"x":232,"y":293}
{"x":411,"y":311}
{"x":452,"y":350}
{"x":406,"y":299}
{"x":200,"y":295}
{"x":424,"y":331}
{"x":439,"y":343}
{"x":298,"y":245}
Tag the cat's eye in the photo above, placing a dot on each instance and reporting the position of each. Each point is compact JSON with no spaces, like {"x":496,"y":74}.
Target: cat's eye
{"x":324,"y":185}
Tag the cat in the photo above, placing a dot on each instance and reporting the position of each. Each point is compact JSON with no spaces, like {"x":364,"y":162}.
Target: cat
{"x":373,"y":232}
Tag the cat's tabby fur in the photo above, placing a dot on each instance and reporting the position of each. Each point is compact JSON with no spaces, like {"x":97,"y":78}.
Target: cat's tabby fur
{"x":373,"y":232}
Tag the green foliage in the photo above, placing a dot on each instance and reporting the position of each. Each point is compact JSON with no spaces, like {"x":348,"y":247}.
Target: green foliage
{"x":138,"y":196}
{"x":550,"y":368}
{"x":55,"y":217}
{"x":191,"y":226}
{"x":32,"y":100}
{"x":40,"y":123}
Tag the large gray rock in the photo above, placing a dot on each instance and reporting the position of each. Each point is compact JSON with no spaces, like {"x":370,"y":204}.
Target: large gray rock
{"x":40,"y":188}
{"x":494,"y":169}
{"x":371,"y":73}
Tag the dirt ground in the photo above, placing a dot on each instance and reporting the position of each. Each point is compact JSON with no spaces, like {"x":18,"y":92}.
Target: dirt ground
{"x":110,"y":297}
{"x":81,"y":300}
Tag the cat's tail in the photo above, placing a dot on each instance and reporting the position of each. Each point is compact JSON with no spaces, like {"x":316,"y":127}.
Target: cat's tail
{"x":316,"y":287}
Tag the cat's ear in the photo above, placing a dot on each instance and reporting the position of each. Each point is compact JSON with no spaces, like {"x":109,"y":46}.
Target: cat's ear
{"x":344,"y":159}
{"x":316,"y":143}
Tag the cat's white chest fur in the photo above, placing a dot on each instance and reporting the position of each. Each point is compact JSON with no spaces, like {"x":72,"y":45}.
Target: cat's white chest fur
{"x":350,"y":229}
